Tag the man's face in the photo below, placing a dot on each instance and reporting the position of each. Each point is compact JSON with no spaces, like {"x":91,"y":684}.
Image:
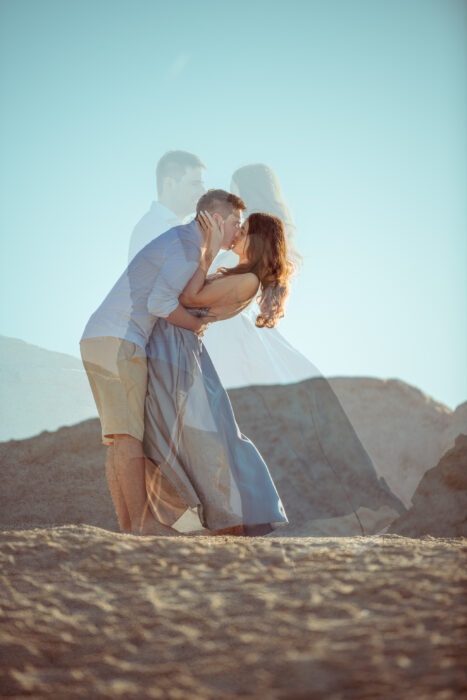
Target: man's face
{"x":231,"y":228}
{"x":189,"y":189}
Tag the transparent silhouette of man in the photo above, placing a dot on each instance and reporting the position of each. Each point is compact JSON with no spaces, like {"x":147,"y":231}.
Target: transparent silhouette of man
{"x":180,"y":184}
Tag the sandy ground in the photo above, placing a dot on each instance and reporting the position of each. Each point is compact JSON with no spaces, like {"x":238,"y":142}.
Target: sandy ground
{"x":89,"y":613}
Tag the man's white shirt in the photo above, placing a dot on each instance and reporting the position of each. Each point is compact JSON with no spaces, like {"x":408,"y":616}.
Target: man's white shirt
{"x":149,"y":287}
{"x":156,"y":221}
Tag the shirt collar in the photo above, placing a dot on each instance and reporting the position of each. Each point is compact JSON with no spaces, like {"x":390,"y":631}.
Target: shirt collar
{"x":165,"y":212}
{"x":171,"y":217}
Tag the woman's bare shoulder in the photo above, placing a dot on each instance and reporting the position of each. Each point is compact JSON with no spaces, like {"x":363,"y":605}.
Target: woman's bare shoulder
{"x":245,"y":278}
{"x":242,"y":286}
{"x":246,"y":283}
{"x":250,"y":280}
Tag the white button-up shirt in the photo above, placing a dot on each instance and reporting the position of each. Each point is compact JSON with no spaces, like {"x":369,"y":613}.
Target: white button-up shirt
{"x":149,"y":287}
{"x":156,"y":221}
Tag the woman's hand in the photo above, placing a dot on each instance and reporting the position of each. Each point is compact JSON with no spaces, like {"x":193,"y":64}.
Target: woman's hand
{"x":213,"y":236}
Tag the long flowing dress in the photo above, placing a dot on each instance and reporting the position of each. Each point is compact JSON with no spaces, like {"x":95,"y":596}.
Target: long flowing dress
{"x":201,"y":471}
{"x":327,"y":479}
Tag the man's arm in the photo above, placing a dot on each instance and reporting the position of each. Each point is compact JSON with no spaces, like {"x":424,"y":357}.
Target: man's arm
{"x":197,"y":282}
{"x":181,"y":260}
{"x":182,"y":318}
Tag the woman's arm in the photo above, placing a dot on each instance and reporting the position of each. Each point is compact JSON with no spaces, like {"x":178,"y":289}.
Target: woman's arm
{"x":224,"y":289}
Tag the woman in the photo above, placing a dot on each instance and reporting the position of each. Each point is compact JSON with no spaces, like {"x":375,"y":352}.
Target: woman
{"x":202,"y":472}
{"x":332,"y":482}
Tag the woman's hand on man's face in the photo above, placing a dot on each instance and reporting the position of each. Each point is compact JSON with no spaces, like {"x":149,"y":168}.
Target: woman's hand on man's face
{"x":213,"y":233}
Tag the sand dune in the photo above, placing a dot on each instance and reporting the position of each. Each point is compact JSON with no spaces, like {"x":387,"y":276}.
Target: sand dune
{"x":59,"y":478}
{"x":314,"y":613}
{"x":403,"y":430}
{"x":88,"y":613}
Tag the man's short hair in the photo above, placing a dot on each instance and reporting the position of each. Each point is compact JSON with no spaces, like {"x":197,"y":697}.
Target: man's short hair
{"x":219,"y":201}
{"x":173,"y":164}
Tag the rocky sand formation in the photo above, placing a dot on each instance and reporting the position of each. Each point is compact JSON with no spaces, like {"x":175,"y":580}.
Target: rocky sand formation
{"x":440,"y":500}
{"x":403,"y":430}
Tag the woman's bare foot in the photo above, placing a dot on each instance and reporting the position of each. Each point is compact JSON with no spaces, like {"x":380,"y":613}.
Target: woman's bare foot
{"x":236,"y":530}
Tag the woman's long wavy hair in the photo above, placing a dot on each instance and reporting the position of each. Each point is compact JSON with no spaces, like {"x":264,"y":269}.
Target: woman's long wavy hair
{"x":268,"y":259}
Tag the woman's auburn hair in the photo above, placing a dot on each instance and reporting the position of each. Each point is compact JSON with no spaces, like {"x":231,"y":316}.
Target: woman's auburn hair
{"x":267,"y":258}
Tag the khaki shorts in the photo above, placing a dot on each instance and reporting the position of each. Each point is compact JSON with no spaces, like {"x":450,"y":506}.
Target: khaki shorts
{"x":118,"y":374}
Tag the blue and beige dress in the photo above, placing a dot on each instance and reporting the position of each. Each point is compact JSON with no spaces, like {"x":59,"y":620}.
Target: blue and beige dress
{"x":203,"y":471}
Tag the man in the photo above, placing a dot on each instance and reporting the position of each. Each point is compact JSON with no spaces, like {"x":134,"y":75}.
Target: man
{"x":180,"y":184}
{"x":113,"y":346}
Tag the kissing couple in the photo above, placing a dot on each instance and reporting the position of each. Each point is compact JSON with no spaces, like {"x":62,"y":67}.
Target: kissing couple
{"x":177,"y":462}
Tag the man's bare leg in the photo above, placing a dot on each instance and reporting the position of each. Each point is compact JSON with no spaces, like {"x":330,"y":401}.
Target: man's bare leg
{"x":130,"y":470}
{"x":116,"y":492}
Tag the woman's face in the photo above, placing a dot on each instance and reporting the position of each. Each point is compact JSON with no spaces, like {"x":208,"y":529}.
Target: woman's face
{"x":240,"y":246}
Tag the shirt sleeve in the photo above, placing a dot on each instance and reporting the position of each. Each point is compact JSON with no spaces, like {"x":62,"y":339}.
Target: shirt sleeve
{"x":180,"y":263}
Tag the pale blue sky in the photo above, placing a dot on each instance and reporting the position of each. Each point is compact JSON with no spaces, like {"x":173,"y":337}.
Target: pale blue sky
{"x":359,"y":106}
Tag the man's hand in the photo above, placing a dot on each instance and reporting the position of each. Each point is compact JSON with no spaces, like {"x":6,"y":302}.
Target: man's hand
{"x":205,"y":322}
